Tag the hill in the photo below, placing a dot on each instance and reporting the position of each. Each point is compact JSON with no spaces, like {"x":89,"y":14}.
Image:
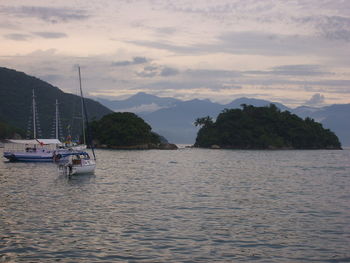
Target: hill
{"x":9,"y":132}
{"x":16,"y":98}
{"x":263,"y":128}
{"x":140,"y":103}
{"x":125,"y":130}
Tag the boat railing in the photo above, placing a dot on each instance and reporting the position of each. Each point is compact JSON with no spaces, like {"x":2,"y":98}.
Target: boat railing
{"x":18,"y":147}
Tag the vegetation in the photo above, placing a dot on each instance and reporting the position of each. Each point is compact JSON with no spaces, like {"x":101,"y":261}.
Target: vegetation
{"x":16,"y":99}
{"x":123,"y":129}
{"x":9,"y":132}
{"x":263,"y":128}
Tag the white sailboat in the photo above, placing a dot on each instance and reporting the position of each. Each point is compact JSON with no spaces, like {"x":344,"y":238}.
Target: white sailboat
{"x":34,"y":150}
{"x":39,"y":150}
{"x":80,"y":163}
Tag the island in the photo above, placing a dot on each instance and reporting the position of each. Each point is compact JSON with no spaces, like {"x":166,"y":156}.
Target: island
{"x":126,"y":131}
{"x":263,"y":128}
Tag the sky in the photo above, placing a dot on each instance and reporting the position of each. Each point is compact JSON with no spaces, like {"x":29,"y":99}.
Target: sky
{"x":293,"y":52}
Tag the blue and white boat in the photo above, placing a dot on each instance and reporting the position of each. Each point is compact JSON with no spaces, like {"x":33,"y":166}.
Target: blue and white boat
{"x":38,"y":150}
{"x":34,"y":150}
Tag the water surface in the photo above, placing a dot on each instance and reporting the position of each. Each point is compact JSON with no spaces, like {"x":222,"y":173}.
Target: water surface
{"x":190,"y":205}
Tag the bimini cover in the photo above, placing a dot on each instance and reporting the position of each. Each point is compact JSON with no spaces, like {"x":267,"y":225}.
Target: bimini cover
{"x":49,"y":141}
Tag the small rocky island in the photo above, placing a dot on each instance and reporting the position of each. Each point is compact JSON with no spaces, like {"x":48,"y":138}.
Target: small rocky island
{"x":126,"y":131}
{"x":263,"y":128}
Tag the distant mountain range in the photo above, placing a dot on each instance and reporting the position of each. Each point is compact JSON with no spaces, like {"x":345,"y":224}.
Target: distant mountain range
{"x":171,"y":118}
{"x":174,"y":118}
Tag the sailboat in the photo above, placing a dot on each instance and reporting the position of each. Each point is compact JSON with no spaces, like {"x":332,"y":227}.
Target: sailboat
{"x":34,"y":150}
{"x":80,"y":162}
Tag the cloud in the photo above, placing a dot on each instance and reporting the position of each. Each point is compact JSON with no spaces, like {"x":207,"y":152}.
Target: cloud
{"x":149,"y":71}
{"x":190,"y":84}
{"x":201,"y":75}
{"x":154,"y":71}
{"x":331,"y":27}
{"x":229,"y":86}
{"x":18,"y":37}
{"x":267,"y":44}
{"x":245,"y":42}
{"x":134,"y":61}
{"x":25,"y":37}
{"x":212,"y":73}
{"x":142,"y":108}
{"x":316,"y":100}
{"x":166,"y":46}
{"x":325,"y":18}
{"x":166,"y":72}
{"x":147,"y":74}
{"x":272,"y":82}
{"x":166,"y":30}
{"x":292,"y":70}
{"x":8,"y":25}
{"x":202,"y":7}
{"x":50,"y":34}
{"x":47,"y":14}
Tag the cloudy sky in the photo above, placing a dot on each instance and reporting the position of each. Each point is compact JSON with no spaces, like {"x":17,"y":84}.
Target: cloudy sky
{"x":294,"y":52}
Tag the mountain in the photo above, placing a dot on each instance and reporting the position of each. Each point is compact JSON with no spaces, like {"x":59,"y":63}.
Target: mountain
{"x":139,"y":103}
{"x":174,"y":118}
{"x":176,"y":123}
{"x":10,"y":132}
{"x":16,"y":100}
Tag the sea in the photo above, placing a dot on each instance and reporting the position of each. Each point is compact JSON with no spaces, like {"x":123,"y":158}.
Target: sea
{"x":187,"y":205}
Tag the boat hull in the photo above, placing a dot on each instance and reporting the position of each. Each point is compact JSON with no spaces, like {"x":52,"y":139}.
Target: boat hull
{"x":24,"y":157}
{"x":86,"y":169}
{"x":77,"y":166}
{"x":44,"y":155}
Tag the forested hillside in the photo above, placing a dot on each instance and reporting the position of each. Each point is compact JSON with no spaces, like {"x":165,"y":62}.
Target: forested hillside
{"x":16,"y":99}
{"x":263,"y":128}
{"x":124,"y":129}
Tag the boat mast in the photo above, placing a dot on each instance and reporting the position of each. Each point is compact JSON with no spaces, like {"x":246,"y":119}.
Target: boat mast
{"x":56,"y":119}
{"x":86,"y":118}
{"x":34,"y":116}
{"x":82,"y":106}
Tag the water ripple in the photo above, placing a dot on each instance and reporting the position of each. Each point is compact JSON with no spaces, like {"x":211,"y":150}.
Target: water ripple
{"x":190,"y":205}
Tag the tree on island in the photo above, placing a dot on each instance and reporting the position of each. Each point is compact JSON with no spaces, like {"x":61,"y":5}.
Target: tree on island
{"x":263,"y":128}
{"x":123,"y":129}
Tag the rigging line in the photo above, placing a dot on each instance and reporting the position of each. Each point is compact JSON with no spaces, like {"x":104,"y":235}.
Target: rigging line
{"x":86,"y":117}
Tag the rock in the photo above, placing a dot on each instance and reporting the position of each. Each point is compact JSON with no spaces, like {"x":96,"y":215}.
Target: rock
{"x":215,"y":146}
{"x":167,"y":146}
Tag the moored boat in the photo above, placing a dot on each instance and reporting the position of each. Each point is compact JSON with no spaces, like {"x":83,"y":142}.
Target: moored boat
{"x":77,"y":163}
{"x":80,"y":163}
{"x":39,"y":150}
